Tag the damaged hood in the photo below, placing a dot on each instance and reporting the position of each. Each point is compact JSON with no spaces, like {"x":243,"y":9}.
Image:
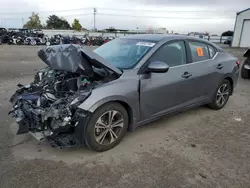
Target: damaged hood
{"x":74,"y":58}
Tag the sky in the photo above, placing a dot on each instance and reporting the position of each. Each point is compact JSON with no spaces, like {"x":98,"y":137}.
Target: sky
{"x":182,"y":16}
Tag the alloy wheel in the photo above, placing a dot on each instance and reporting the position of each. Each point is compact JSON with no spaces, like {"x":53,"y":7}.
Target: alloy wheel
{"x":108,"y":127}
{"x":222,"y":95}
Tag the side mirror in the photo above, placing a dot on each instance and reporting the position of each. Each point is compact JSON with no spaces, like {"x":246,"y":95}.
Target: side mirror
{"x":158,"y":67}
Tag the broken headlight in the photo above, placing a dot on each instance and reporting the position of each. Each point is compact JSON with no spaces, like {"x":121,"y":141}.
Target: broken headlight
{"x":78,"y":100}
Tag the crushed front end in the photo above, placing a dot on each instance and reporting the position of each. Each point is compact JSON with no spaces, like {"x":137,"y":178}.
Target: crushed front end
{"x":48,"y":109}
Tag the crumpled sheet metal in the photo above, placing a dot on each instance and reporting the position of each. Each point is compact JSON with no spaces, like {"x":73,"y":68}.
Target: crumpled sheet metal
{"x":73,"y":58}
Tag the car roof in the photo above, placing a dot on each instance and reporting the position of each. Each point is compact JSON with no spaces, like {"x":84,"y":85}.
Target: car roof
{"x":166,"y":37}
{"x":157,"y":37}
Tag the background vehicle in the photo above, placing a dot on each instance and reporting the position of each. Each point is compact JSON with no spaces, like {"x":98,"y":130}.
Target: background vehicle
{"x":93,"y":41}
{"x":31,"y":41}
{"x":54,"y":40}
{"x":6,"y":39}
{"x":3,"y":31}
{"x":245,"y":69}
{"x":86,"y":98}
{"x":228,"y":41}
{"x":107,"y":39}
{"x":86,"y":41}
{"x":20,"y":40}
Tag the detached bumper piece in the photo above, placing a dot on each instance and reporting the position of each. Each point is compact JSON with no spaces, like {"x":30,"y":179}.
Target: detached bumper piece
{"x":64,"y":141}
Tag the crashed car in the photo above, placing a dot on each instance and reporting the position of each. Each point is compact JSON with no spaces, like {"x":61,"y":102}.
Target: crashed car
{"x":245,"y":69}
{"x":48,"y":107}
{"x":91,"y":98}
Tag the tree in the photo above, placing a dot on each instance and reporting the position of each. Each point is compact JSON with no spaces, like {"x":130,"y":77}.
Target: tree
{"x":34,"y":22}
{"x":227,"y":33}
{"x":54,"y":22}
{"x":76,"y":25}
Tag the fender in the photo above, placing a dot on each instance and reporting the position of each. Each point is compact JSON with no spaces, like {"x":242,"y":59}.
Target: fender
{"x":91,"y":108}
{"x":123,"y":90}
{"x":135,"y":112}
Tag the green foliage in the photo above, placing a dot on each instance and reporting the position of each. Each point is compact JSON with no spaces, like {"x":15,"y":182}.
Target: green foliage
{"x":34,"y":22}
{"x":54,"y":22}
{"x":76,"y":25}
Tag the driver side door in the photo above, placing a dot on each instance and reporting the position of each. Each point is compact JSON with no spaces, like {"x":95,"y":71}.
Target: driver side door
{"x":161,"y":93}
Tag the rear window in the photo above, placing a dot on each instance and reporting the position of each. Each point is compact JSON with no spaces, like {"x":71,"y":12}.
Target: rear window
{"x":199,"y":51}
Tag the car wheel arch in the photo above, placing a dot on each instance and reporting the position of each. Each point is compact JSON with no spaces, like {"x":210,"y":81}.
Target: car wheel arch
{"x":231,"y":83}
{"x":124,"y":103}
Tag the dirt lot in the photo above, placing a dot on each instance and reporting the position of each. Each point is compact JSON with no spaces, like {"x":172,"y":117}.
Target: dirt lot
{"x":197,"y":148}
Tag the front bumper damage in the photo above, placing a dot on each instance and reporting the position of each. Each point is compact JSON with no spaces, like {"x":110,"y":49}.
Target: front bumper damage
{"x":63,"y":137}
{"x":75,"y":139}
{"x":33,"y":120}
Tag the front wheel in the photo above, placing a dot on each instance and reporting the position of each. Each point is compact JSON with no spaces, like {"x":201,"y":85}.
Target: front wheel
{"x":107,"y":127}
{"x":221,"y":96}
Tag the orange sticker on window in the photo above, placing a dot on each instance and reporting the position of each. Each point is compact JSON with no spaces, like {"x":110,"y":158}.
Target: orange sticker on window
{"x":199,"y":51}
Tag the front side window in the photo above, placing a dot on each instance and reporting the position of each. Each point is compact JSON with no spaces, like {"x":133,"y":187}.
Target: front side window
{"x":124,"y":53}
{"x":173,"y":54}
{"x":199,"y":51}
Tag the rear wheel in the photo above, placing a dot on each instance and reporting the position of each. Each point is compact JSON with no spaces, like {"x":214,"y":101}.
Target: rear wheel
{"x":245,"y":69}
{"x":221,"y":96}
{"x":107,"y":127}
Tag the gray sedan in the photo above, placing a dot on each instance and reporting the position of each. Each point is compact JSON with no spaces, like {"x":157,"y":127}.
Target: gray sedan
{"x":123,"y":84}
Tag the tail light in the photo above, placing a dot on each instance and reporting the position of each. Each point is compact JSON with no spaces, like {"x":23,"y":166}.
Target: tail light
{"x":238,"y":63}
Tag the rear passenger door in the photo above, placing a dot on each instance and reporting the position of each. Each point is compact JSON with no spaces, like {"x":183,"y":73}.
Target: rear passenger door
{"x":203,"y":67}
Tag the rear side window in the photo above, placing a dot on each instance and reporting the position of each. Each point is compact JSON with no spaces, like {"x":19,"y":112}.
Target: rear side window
{"x":199,"y":51}
{"x":212,"y":51}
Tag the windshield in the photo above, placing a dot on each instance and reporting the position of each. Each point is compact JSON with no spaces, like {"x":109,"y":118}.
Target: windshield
{"x":124,"y":53}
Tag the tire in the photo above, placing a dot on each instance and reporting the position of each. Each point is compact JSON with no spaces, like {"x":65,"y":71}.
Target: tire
{"x":215,"y":105}
{"x":245,"y":73}
{"x":94,"y":139}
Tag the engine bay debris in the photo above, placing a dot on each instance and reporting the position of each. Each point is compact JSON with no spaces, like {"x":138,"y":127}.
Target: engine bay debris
{"x":49,"y":105}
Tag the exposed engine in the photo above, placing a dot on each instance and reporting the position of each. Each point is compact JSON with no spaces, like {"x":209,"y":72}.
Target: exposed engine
{"x":50,"y":102}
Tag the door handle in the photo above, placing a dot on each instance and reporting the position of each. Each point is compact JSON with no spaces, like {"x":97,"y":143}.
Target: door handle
{"x":186,"y":75}
{"x":220,"y":66}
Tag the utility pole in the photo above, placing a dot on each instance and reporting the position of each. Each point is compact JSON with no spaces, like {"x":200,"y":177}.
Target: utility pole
{"x":94,"y":18}
{"x":22,"y":22}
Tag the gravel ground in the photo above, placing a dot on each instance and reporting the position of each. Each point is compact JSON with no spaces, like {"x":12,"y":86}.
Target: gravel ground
{"x":197,"y":148}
